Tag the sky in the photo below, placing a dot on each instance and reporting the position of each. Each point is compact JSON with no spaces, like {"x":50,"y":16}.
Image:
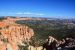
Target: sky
{"x":38,"y":8}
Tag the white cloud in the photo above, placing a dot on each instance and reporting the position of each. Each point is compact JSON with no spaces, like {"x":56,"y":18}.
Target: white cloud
{"x":29,"y":13}
{"x":40,"y":14}
{"x":24,"y":13}
{"x":19,"y":13}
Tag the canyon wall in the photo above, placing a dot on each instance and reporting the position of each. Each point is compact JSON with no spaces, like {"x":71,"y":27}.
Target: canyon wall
{"x":12,"y":35}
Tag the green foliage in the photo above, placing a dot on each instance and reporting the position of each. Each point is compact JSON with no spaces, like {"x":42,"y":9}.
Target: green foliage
{"x":5,"y":40}
{"x":2,"y":18}
{"x":22,"y":47}
{"x":44,"y":28}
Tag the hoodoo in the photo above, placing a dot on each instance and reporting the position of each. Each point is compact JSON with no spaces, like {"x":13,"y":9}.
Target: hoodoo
{"x":12,"y":35}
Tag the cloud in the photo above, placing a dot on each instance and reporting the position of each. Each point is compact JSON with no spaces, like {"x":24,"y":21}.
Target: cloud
{"x":19,"y":13}
{"x":23,"y":13}
{"x":28,"y":13}
{"x":40,"y":14}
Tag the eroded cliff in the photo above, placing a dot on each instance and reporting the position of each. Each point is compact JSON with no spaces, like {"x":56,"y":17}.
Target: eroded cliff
{"x":12,"y":35}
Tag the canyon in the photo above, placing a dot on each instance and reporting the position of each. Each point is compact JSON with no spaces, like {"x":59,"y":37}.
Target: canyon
{"x":13,"y":34}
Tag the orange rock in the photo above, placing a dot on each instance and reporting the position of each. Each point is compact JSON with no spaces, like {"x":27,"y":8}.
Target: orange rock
{"x":15,"y":34}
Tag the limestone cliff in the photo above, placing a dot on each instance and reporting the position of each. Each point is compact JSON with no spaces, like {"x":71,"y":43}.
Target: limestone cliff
{"x":12,"y":35}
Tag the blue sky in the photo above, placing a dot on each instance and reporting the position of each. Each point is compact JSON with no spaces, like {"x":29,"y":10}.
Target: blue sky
{"x":38,"y":8}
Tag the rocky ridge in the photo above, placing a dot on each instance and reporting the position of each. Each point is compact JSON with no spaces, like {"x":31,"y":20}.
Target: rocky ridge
{"x":12,"y":34}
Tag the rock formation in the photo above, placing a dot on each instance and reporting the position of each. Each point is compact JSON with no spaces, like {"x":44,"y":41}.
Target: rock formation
{"x":12,"y":35}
